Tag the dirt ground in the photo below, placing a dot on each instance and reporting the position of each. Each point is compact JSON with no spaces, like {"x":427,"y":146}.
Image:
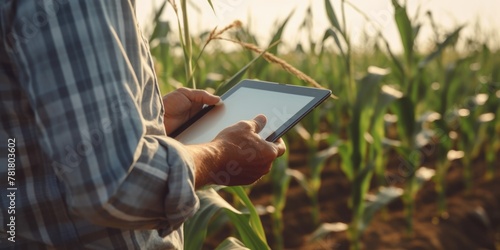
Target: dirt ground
{"x":472,"y":220}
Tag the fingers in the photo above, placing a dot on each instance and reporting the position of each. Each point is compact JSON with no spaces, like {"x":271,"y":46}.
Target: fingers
{"x":259,"y":122}
{"x":200,"y":96}
{"x":280,"y":147}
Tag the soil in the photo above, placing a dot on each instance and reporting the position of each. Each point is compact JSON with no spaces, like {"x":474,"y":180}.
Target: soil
{"x":472,"y":220}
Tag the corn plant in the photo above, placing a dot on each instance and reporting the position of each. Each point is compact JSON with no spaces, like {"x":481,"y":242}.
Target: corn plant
{"x":316,"y":158}
{"x":280,"y":179}
{"x":358,"y":154}
{"x":473,"y":128}
{"x":363,"y":151}
{"x":247,"y":224}
{"x":405,"y":106}
{"x":493,"y":143}
{"x":411,"y":74}
{"x":231,"y":243}
{"x":160,"y":46}
{"x":428,"y":94}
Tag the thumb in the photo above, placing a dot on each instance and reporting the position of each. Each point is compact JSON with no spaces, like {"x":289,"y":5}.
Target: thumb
{"x":260,"y":122}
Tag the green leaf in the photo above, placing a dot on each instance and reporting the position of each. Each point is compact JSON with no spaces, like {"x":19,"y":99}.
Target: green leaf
{"x":320,"y":157}
{"x":273,"y":45}
{"x":447,"y":88}
{"x":382,"y":198}
{"x":156,"y":20}
{"x":195,"y":228}
{"x":277,"y":36}
{"x":332,"y":17}
{"x":450,"y":39}
{"x":394,"y":58}
{"x":327,"y":228}
{"x":386,"y":97}
{"x":361,"y":177}
{"x":360,"y":187}
{"x":333,"y":34}
{"x":405,"y":29}
{"x":368,"y":91}
{"x":211,"y":202}
{"x":232,"y":243}
{"x":161,"y":30}
{"x":368,"y":88}
{"x":255,"y":222}
{"x":405,"y":110}
{"x":280,"y":181}
{"x":160,"y":11}
{"x":247,"y":233}
{"x":376,"y":129}
{"x":184,"y":47}
{"x":345,"y":151}
{"x":211,"y":5}
{"x":237,"y":77}
{"x":300,"y":178}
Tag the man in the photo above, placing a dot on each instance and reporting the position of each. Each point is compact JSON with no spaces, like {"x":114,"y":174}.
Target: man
{"x":92,"y":165}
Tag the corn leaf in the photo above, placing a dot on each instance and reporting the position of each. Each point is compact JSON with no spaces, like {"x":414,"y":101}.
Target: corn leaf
{"x":237,"y":77}
{"x":405,"y":29}
{"x":279,"y":33}
{"x":327,"y":228}
{"x":196,"y":228}
{"x":321,"y":156}
{"x":232,"y":243}
{"x":280,"y":181}
{"x":300,"y":178}
{"x":211,"y":203}
{"x":333,"y":34}
{"x":405,"y":110}
{"x":368,"y":89}
{"x":386,"y":97}
{"x":450,"y":39}
{"x":156,"y":20}
{"x":345,"y":152}
{"x":332,"y":17}
{"x":273,"y":45}
{"x":246,"y":232}
{"x":211,"y":5}
{"x":382,"y":198}
{"x":395,"y":59}
{"x":255,"y":222}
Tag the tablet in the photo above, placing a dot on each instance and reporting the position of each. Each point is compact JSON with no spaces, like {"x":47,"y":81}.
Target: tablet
{"x":283,"y":105}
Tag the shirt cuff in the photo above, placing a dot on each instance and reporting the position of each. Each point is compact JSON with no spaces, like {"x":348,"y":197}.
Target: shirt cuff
{"x":181,"y":201}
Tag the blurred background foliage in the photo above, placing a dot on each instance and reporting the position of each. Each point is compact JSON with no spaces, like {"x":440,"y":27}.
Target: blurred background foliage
{"x":391,"y":105}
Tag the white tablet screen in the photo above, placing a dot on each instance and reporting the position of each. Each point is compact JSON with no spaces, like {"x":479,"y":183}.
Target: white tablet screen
{"x":245,"y":104}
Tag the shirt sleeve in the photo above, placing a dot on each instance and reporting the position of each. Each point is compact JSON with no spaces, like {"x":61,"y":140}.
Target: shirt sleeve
{"x":85,"y":70}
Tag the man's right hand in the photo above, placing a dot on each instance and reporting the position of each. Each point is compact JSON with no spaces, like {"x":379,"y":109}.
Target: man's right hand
{"x":237,"y":156}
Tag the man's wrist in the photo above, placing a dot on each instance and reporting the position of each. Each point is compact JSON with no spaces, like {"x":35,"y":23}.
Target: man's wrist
{"x":207,"y":158}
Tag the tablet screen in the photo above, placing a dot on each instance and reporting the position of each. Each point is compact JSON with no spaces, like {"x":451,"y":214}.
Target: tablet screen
{"x":282,"y":109}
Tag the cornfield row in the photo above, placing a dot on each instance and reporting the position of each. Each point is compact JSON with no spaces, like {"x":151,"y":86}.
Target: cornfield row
{"x":446,"y":99}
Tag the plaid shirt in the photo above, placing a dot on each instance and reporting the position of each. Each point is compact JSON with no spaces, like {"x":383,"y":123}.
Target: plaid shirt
{"x":94,"y":168}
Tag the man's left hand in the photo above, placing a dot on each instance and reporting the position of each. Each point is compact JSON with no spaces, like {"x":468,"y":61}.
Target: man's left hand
{"x":182,"y":104}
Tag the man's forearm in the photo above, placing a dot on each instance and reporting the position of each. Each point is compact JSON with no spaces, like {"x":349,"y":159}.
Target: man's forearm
{"x":207,"y":160}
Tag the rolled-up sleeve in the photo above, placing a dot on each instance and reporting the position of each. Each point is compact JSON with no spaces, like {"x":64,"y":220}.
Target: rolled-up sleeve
{"x":91,"y":86}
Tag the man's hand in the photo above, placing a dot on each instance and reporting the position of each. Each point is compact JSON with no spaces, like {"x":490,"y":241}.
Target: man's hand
{"x":182,"y":104}
{"x":237,"y":156}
